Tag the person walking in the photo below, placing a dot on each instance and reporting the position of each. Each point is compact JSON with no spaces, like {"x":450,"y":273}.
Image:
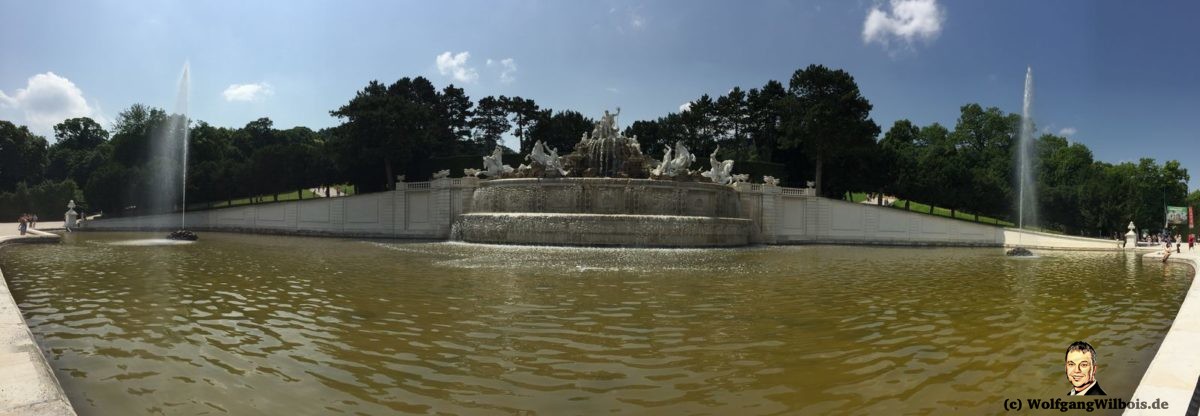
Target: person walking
{"x":22,"y":223}
{"x":1191,"y":241}
{"x":33,"y":221}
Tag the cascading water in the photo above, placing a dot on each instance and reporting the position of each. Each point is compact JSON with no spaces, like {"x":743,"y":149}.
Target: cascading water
{"x":1027,"y":196}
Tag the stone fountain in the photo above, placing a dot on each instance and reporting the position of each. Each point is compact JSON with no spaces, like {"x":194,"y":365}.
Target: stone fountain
{"x":605,"y":193}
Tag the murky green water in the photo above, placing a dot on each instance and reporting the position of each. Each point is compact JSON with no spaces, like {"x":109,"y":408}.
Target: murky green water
{"x":241,"y":324}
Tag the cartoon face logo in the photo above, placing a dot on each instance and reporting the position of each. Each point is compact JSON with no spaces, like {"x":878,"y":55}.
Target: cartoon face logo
{"x":1081,"y":370}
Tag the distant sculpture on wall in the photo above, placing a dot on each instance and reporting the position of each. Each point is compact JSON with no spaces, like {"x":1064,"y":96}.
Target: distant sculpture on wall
{"x":770,"y":180}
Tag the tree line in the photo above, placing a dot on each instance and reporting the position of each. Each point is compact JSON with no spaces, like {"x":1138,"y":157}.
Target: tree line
{"x":817,"y":127}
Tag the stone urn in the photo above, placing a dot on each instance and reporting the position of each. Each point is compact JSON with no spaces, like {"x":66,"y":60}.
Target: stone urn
{"x":1131,"y":237}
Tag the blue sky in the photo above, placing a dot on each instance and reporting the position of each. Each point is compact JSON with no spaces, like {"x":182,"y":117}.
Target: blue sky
{"x":1120,"y":77}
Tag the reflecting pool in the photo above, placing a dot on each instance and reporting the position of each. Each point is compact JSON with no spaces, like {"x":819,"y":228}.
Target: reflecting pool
{"x":248,"y":324}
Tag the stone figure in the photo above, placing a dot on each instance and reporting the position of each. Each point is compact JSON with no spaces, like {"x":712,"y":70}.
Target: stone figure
{"x":770,"y":180}
{"x":741,"y":178}
{"x":549,"y":161}
{"x":662,"y":167}
{"x":610,"y":122}
{"x":444,"y":173}
{"x":606,"y":128}
{"x":471,"y":172}
{"x":721,"y":172}
{"x":677,"y":165}
{"x":493,"y":166}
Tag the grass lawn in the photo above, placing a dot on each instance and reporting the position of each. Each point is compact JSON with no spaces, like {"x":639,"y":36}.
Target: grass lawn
{"x":939,"y":211}
{"x":346,"y":190}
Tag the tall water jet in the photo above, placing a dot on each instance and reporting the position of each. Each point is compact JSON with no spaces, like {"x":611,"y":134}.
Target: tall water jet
{"x":1025,"y":185}
{"x":172,"y":156}
{"x":1027,"y":206}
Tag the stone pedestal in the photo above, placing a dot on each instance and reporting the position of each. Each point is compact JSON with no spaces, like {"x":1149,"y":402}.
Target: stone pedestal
{"x":1131,"y":237}
{"x":70,"y":216}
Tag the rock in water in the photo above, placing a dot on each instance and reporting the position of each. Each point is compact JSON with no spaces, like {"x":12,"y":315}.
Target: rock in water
{"x":183,"y":235}
{"x":1019,"y":251}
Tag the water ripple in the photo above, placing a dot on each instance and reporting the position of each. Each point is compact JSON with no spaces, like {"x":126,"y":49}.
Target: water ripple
{"x":243,"y":324}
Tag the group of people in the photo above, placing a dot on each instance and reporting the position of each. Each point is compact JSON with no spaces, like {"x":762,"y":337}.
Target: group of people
{"x":1177,"y":240}
{"x":25,"y":222}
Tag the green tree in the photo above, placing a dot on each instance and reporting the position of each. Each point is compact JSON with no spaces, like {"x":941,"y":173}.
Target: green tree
{"x":985,"y":140}
{"x":389,"y":127}
{"x":22,"y":156}
{"x":80,"y":148}
{"x":900,"y":145}
{"x":560,"y":131}
{"x":826,"y":114}
{"x":456,"y":110}
{"x":732,"y":119}
{"x":490,"y":121}
{"x":525,"y":114}
{"x":765,"y":118}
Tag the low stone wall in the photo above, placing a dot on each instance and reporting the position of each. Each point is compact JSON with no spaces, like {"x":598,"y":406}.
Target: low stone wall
{"x":428,"y":210}
{"x":27,"y":383}
{"x":420,"y":210}
{"x":797,"y":216}
{"x":1174,"y":374}
{"x":604,"y":230}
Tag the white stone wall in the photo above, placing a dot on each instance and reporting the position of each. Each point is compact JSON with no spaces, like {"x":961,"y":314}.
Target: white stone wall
{"x":413,"y":210}
{"x":426,"y":210}
{"x":796,"y":216}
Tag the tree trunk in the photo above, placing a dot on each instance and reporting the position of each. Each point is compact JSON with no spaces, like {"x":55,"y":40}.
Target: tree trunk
{"x":391,"y":179}
{"x":931,"y":209}
{"x":976,"y":217}
{"x":275,"y":198}
{"x":906,"y":205}
{"x":300,"y":194}
{"x":952,"y":213}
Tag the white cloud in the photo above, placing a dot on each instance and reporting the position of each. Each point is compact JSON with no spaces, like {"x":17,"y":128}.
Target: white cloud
{"x":509,"y":68}
{"x":455,"y":65}
{"x":636,"y":20}
{"x":248,"y":92}
{"x":46,"y":100}
{"x":685,"y":106}
{"x":629,"y":19}
{"x":1068,"y":131}
{"x":907,"y":21}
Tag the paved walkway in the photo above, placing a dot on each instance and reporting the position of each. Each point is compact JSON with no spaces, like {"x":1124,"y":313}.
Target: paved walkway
{"x":27,"y":383}
{"x":1174,"y":375}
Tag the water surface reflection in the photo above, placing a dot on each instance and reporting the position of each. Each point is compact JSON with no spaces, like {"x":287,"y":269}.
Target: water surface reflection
{"x":244,"y":324}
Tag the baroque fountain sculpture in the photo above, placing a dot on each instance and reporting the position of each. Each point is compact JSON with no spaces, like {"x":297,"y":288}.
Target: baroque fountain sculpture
{"x":606,"y":192}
